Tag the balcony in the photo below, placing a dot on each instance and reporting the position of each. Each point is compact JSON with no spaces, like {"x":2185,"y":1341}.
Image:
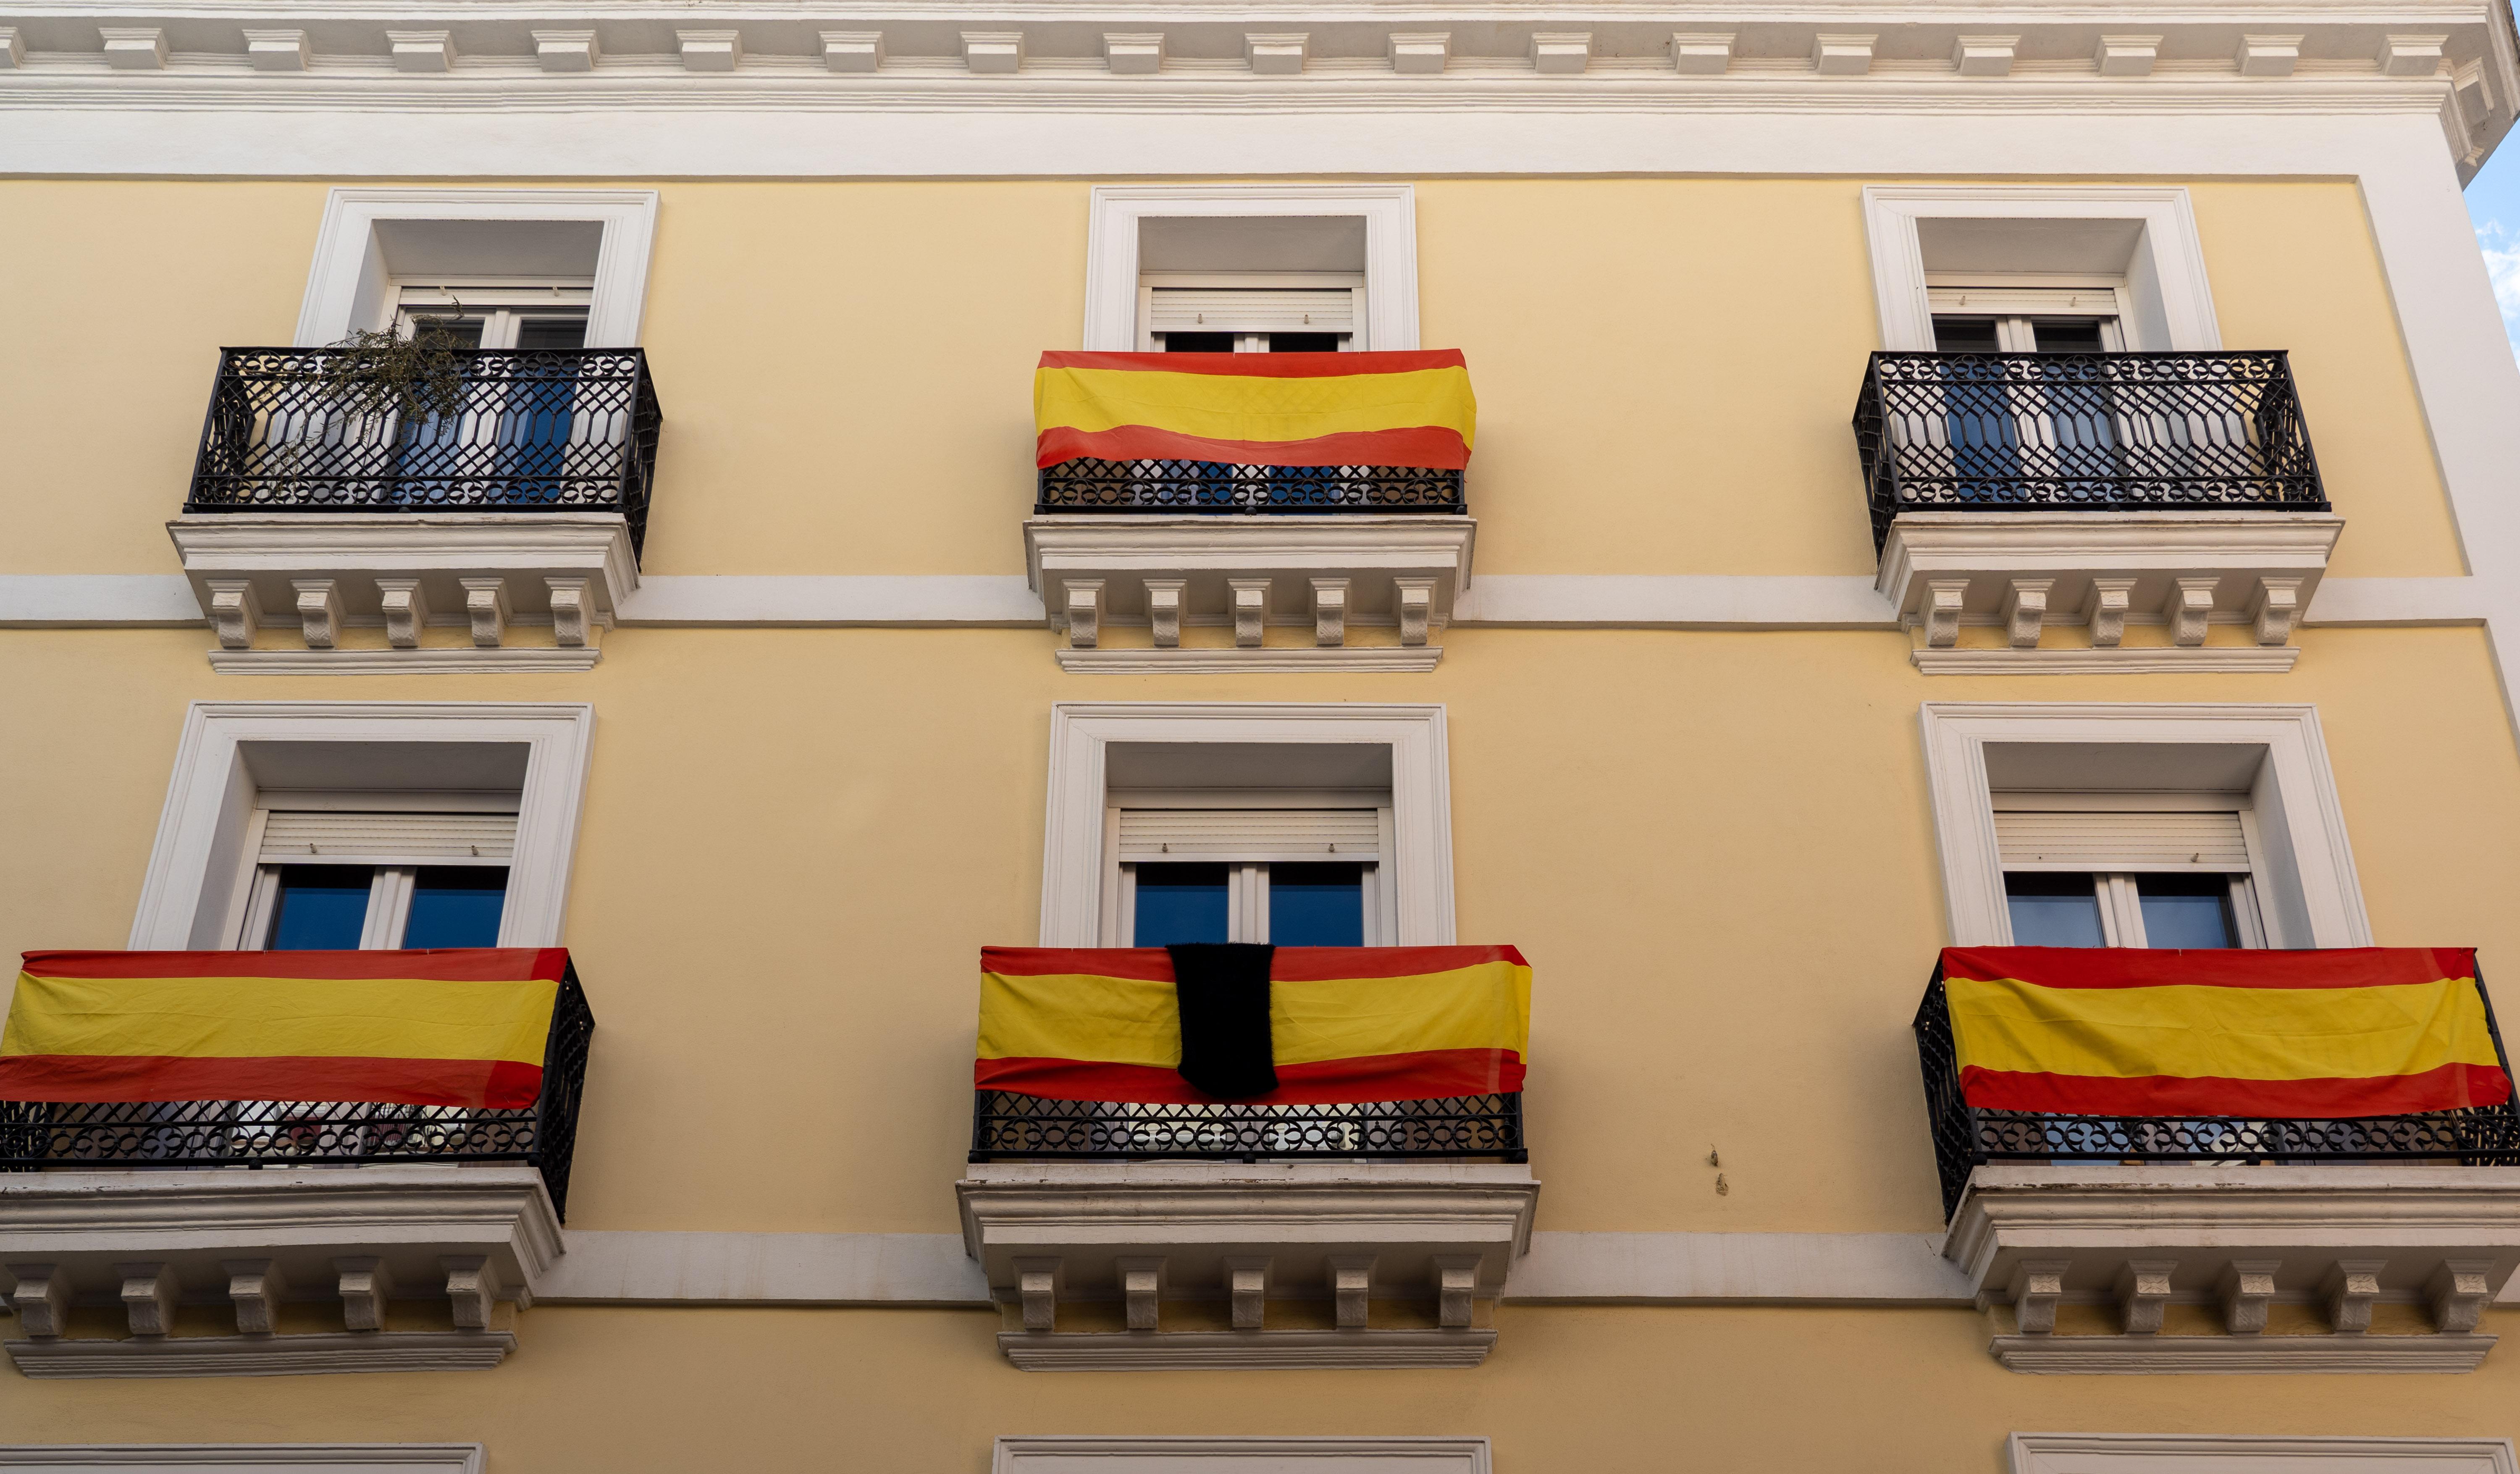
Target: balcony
{"x":524,"y":503}
{"x":393,"y":1217}
{"x":1320,"y":492}
{"x":2142,"y":1173}
{"x":1363,"y":1211}
{"x":2094,"y":492}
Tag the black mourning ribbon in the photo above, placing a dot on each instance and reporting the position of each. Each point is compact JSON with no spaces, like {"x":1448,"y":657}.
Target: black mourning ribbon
{"x":1224,"y":991}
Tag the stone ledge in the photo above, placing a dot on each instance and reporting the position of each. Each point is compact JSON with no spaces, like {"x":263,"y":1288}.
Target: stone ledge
{"x":433,"y":660}
{"x":1295,"y":660}
{"x":262,"y":1355}
{"x":2135,"y":1356}
{"x":2141,"y":660}
{"x":1245,"y":1350}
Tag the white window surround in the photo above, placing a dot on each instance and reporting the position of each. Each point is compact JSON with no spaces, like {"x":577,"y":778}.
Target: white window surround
{"x":347,"y":287}
{"x":2308,"y":890}
{"x":1088,"y":1454}
{"x":2173,"y":304}
{"x":201,"y":857}
{"x":1389,"y":212}
{"x":247,"y":1458}
{"x":1418,"y":873}
{"x":2252,"y":1453}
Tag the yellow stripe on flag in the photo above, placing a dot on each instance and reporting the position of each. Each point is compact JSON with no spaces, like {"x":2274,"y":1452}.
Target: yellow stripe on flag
{"x":1240,"y":407}
{"x":2231,"y":1032}
{"x":1131,"y":1021}
{"x":229,"y":1018}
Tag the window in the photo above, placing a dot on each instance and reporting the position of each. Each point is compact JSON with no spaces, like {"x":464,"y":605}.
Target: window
{"x":2180,"y":824}
{"x":1300,"y":825}
{"x":377,"y":243}
{"x":495,"y":315}
{"x":331,"y":877}
{"x":366,"y":824}
{"x":1267,"y":869}
{"x":1253,"y":268}
{"x":2128,"y":870}
{"x":1981,"y":315}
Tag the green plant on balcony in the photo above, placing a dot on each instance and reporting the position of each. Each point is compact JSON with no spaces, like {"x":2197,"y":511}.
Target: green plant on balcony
{"x":383,"y":372}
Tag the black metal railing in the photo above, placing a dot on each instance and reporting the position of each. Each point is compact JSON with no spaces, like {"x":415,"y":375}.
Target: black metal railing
{"x":1966,"y":1138}
{"x":1176,"y":487}
{"x":1008,"y":1126}
{"x":2082,"y":432}
{"x":39,"y":1134}
{"x":541,"y":430}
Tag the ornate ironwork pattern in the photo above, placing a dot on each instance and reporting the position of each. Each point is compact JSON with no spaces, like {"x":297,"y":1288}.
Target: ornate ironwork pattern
{"x":1005,"y":1125}
{"x":37,"y":1135}
{"x":2088,"y":431}
{"x":1965,"y":1138}
{"x":546,"y":430}
{"x":1156,"y":486}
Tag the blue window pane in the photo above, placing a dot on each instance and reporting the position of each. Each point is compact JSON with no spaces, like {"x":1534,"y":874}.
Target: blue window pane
{"x":1179,"y":903}
{"x":2186,"y":910}
{"x":1317,"y":904}
{"x":2053,"y":910}
{"x":456,"y":906}
{"x":322,"y":907}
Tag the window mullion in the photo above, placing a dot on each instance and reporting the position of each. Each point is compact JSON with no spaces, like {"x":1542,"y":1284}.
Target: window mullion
{"x":389,"y":907}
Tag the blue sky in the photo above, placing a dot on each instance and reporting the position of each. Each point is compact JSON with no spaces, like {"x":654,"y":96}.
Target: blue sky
{"x":2494,"y":203}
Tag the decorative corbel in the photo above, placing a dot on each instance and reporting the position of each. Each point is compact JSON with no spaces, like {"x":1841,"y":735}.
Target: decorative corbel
{"x":42,"y":1299}
{"x":2037,"y":1284}
{"x":2025,"y":611}
{"x":366,"y":1287}
{"x":235,"y":612}
{"x":2248,"y":1288}
{"x":1142,"y":1288}
{"x":1164,"y":610}
{"x":319,"y":611}
{"x":2350,"y":1290}
{"x":1250,"y":603}
{"x":149,"y":1295}
{"x":2458,"y":1293}
{"x":1351,"y":1288}
{"x":1457,"y":1279}
{"x":485,"y":605}
{"x":1413,"y":600}
{"x":255,"y":1288}
{"x":472,"y":1287}
{"x":1941,"y":614}
{"x":1330,"y":611}
{"x":2191,"y":601}
{"x":1038,"y":1281}
{"x":573,"y":616}
{"x":406,"y":606}
{"x":2276,"y":608}
{"x":2144,"y":1294}
{"x":1246,"y":1284}
{"x":2111,"y":598}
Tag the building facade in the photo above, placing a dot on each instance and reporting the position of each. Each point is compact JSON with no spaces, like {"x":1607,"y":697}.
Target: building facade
{"x":1940,"y":480}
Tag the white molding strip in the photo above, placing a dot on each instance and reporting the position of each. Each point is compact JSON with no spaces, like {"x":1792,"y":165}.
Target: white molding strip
{"x":2158,"y":660}
{"x":328,"y":1459}
{"x":1226,"y":1453}
{"x":1682,"y":1268}
{"x":765,"y":1269}
{"x":262,"y":1355}
{"x":2253,"y":1453}
{"x":947,"y":600}
{"x":2154,"y":1356}
{"x":1245,"y":1350}
{"x":1383,"y":659}
{"x":436,"y":661}
{"x":347,"y":287}
{"x":1389,"y":212}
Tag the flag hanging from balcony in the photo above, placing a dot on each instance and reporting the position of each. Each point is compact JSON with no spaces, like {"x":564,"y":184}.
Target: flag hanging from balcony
{"x":1256,"y":409}
{"x":1346,"y":1025}
{"x":2328,"y":1034}
{"x":461,"y":1026}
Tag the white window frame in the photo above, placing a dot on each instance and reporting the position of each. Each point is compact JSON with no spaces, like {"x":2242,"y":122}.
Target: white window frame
{"x":202,"y":866}
{"x":2252,"y":1453}
{"x":2307,"y":892}
{"x":1112,"y":299}
{"x":503,"y":304}
{"x":2115,"y":888}
{"x":2170,"y":302}
{"x":1248,"y":881}
{"x":1093,"y":1453}
{"x":2018,"y":301}
{"x":349,"y":288}
{"x":1415,"y":873}
{"x":154,"y":1459}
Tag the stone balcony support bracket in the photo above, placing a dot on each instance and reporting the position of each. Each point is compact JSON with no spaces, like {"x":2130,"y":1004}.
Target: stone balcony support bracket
{"x":2397,"y":1262}
{"x":1179,"y":1264}
{"x":258,"y":1243}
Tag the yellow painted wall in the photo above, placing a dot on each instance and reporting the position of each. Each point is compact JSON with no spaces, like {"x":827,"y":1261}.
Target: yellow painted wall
{"x":1604,"y":1390}
{"x":1665,"y":368}
{"x":1715,"y":848}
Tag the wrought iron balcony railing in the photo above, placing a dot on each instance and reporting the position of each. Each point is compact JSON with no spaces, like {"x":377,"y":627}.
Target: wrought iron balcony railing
{"x":1006,"y":1126}
{"x":1966,"y":1138}
{"x":2082,"y":432}
{"x":37,"y":1135}
{"x":542,"y":430}
{"x":1184,"y":486}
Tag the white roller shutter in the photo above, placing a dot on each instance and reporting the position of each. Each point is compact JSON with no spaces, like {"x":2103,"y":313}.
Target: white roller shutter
{"x":1251,"y":309}
{"x":339,"y":837}
{"x":1249,"y":834}
{"x":2033,"y":840}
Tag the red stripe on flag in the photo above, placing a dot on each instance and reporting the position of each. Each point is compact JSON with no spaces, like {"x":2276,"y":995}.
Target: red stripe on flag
{"x":1430,"y":447}
{"x":1424,"y":1075}
{"x":2233,"y":967}
{"x":1291,"y":964}
{"x":447,"y":964}
{"x":1263,"y":365}
{"x":498,"y":1084}
{"x":2447,"y":1088}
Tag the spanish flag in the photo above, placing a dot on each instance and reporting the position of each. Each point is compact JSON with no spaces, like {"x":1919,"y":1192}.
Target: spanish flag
{"x":2329,"y":1034}
{"x":460,"y":1026}
{"x":1348,"y":1024}
{"x":1256,"y":409}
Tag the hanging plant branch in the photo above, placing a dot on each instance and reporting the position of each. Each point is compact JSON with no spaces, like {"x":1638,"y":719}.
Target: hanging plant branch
{"x":383,"y":372}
